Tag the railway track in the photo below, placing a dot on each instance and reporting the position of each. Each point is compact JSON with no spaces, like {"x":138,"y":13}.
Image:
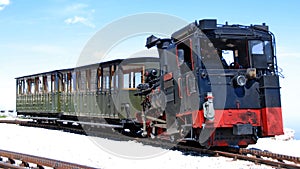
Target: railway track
{"x":253,"y":155}
{"x":16,"y":160}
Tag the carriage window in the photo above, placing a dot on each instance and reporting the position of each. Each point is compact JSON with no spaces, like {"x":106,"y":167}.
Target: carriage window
{"x":132,"y":79}
{"x":26,"y":87}
{"x":104,"y":82}
{"x":116,"y":77}
{"x":78,"y":80}
{"x":21,"y":87}
{"x":49,"y":85}
{"x":19,"y":84}
{"x":32,"y":86}
{"x":107,"y":82}
{"x":126,"y":80}
{"x":137,"y":79}
{"x":66,"y":83}
{"x":53,"y":88}
{"x":88,"y":79}
{"x":38,"y":85}
{"x":117,"y":80}
{"x":70,"y":82}
{"x":60,"y":82}
{"x":45,"y":84}
{"x":99,"y":79}
{"x":93,"y":79}
{"x":112,"y":72}
{"x":74,"y":81}
{"x":106,"y":79}
{"x":132,"y":75}
{"x":83,"y":81}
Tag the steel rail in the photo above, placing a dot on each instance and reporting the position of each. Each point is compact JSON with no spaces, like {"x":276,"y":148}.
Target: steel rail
{"x":41,"y":162}
{"x":277,"y":162}
{"x":269,"y":155}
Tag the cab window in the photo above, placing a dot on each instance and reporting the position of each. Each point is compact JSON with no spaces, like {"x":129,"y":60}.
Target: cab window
{"x":184,"y":54}
{"x":257,"y":47}
{"x":261,"y":53}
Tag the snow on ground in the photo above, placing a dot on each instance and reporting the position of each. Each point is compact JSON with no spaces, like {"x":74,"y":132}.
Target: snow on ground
{"x":283,"y":144}
{"x":103,"y":153}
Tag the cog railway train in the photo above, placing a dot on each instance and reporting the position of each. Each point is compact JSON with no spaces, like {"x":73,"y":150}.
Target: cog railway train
{"x":214,"y":84}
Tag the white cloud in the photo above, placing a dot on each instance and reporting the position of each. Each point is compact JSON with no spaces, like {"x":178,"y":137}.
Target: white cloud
{"x":75,"y":19}
{"x":3,"y":4}
{"x":79,"y":13}
{"x":79,"y":19}
{"x":76,"y":7}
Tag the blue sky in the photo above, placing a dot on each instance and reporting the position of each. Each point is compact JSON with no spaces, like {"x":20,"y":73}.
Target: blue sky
{"x":38,"y":36}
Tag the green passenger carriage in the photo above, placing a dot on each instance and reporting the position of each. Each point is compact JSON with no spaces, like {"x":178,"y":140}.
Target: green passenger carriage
{"x":97,"y":91}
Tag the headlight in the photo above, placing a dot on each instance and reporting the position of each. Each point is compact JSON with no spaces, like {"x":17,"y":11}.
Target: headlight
{"x":154,"y":72}
{"x":241,"y":80}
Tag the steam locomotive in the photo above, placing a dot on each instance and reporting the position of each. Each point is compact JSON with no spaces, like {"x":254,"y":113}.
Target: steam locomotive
{"x":214,"y":84}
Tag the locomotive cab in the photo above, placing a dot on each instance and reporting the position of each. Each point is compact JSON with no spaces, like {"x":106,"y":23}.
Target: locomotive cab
{"x":220,"y":82}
